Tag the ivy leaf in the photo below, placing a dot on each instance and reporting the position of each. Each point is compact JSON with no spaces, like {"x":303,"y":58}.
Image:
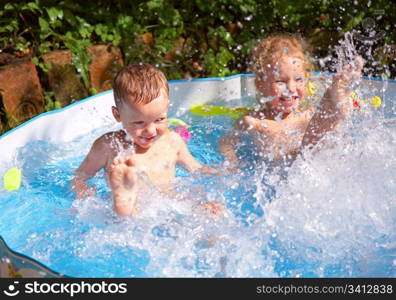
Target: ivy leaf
{"x":8,"y":6}
{"x":54,"y":13}
{"x":155,"y":4}
{"x":35,"y":60}
{"x":224,"y":56}
{"x":44,"y":26}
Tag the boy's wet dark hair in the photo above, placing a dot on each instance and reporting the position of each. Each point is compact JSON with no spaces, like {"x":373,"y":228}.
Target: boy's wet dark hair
{"x":139,"y":83}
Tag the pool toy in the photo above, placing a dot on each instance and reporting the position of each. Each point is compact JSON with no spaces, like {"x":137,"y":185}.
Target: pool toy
{"x":235,"y":113}
{"x":375,"y":101}
{"x":12,"y":179}
{"x":214,"y":110}
{"x":176,"y":122}
{"x":358,"y":103}
{"x":180,"y":127}
{"x":312,"y":88}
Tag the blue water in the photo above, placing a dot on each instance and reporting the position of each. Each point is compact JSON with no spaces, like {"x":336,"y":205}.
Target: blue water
{"x":330,"y":216}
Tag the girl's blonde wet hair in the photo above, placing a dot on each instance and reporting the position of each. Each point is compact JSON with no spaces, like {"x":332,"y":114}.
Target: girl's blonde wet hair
{"x":269,"y":50}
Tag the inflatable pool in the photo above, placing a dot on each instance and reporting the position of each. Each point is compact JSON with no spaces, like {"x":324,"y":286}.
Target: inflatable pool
{"x":340,"y":223}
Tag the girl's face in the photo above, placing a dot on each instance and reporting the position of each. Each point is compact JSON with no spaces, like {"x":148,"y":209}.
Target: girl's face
{"x":285,"y":84}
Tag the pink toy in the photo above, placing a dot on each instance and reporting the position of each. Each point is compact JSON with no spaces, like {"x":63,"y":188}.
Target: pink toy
{"x":183,"y":132}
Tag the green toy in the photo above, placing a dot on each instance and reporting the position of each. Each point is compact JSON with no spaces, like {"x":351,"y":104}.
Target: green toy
{"x":212,"y":110}
{"x":177,"y":122}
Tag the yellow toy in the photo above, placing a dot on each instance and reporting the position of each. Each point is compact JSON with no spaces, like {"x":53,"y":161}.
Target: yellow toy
{"x":359,"y":104}
{"x":312,"y":89}
{"x":12,"y":179}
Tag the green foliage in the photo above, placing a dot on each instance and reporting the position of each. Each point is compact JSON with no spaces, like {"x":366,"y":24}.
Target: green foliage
{"x":185,"y":38}
{"x":50,"y":103}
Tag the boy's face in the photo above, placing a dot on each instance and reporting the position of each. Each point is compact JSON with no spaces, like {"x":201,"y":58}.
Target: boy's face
{"x":285,"y":84}
{"x":145,"y":123}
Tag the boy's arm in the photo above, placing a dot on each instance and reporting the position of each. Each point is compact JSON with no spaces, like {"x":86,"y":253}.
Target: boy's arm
{"x":185,"y":158}
{"x":92,"y":163}
{"x":335,"y":106}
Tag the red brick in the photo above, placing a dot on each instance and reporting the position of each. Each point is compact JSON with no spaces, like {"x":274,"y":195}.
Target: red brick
{"x":63,"y":78}
{"x":106,"y":62}
{"x":21,"y":92}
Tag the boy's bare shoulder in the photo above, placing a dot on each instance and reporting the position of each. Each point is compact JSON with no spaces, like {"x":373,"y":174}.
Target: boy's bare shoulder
{"x":113,"y":135}
{"x":176,"y":142}
{"x":107,"y":141}
{"x":174,"y":138}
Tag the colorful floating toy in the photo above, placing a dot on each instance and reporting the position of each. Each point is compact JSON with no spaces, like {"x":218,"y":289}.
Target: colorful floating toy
{"x":180,"y":127}
{"x":12,"y":179}
{"x":235,"y":113}
{"x":358,"y":103}
{"x":312,"y":89}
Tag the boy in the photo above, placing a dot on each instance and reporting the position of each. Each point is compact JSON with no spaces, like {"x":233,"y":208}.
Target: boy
{"x":141,"y":96}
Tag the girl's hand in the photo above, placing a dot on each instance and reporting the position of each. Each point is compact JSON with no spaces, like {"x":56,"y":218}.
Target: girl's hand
{"x":343,"y":81}
{"x":350,"y":74}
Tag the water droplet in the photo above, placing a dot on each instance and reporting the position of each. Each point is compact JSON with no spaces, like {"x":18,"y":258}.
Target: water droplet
{"x":234,"y":186}
{"x":249,"y":18}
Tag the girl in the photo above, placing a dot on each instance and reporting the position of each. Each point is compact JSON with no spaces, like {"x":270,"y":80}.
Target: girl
{"x":278,"y":127}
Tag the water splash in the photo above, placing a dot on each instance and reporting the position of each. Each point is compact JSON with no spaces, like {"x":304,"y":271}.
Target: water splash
{"x":335,"y":211}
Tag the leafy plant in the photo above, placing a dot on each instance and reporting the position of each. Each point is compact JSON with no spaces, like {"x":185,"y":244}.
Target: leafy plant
{"x":187,"y":38}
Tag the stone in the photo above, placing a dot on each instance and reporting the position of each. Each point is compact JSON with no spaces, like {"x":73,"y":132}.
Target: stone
{"x":21,"y":92}
{"x":63,"y":78}
{"x":106,"y":61}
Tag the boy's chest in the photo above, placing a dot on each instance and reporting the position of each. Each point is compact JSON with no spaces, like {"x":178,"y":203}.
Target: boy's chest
{"x":158,"y":163}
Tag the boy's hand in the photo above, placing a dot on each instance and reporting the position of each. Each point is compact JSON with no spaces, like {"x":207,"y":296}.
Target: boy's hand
{"x":336,"y":105}
{"x":88,"y":192}
{"x":82,"y":190}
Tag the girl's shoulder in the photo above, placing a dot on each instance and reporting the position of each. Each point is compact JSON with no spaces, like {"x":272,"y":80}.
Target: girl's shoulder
{"x":246,"y":121}
{"x":255,"y":120}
